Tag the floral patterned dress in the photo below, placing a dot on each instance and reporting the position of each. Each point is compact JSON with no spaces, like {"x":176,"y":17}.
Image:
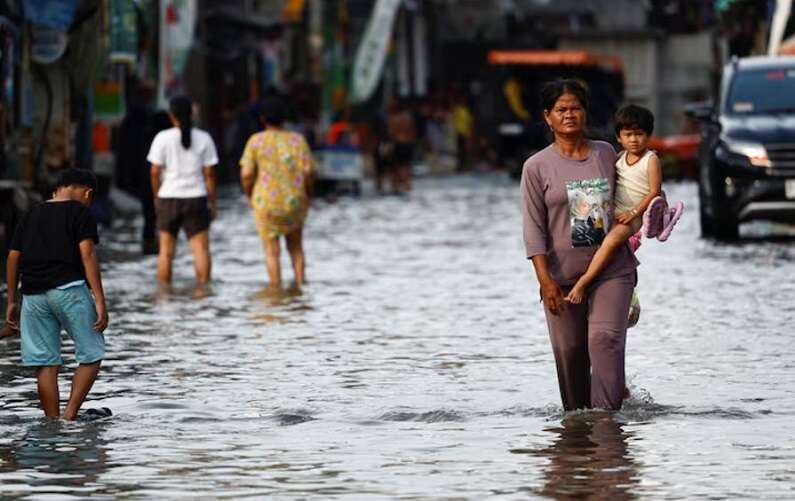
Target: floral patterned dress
{"x":282,"y":163}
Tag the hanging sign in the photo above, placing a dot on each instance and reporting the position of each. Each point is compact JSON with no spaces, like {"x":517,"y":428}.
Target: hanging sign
{"x":55,"y":15}
{"x":370,"y":56}
{"x":47,"y":45}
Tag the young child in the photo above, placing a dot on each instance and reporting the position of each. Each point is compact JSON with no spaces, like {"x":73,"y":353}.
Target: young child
{"x":638,"y":199}
{"x":52,"y":252}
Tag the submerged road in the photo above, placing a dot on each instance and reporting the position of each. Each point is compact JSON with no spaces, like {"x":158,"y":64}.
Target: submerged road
{"x":416,"y":365}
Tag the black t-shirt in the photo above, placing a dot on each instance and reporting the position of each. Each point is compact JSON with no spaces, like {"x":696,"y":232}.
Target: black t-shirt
{"x":49,"y":236}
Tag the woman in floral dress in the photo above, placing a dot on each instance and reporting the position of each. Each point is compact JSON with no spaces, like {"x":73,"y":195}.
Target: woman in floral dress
{"x":276,"y":172}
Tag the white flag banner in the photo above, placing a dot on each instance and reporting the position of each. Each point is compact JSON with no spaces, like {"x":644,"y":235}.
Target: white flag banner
{"x":778,"y":25}
{"x":371,"y":54}
{"x":177,"y":21}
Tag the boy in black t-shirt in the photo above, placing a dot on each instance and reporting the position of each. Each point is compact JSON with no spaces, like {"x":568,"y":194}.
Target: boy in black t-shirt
{"x":53,"y":253}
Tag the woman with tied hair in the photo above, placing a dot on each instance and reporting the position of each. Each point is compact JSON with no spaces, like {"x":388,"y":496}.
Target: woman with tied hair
{"x":276,"y":174}
{"x":567,"y":197}
{"x":183,"y":182}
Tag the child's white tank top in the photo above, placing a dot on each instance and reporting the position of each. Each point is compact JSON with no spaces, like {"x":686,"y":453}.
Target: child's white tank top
{"x":632,"y":181}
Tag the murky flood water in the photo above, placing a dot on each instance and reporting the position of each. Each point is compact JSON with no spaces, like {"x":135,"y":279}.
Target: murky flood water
{"x":416,"y":365}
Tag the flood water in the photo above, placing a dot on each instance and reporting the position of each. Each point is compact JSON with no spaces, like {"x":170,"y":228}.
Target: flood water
{"x":416,"y":365}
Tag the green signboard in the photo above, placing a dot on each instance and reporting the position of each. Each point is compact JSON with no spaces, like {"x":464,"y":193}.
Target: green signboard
{"x":123,"y":31}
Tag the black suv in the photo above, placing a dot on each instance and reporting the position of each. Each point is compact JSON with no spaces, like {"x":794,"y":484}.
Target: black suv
{"x":747,"y":152}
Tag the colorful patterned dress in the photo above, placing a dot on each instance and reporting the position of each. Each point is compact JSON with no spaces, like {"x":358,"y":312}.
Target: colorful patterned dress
{"x":282,"y":163}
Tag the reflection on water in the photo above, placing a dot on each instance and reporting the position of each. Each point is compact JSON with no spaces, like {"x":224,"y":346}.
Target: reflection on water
{"x":589,"y":459}
{"x":413,"y":366}
{"x":52,"y":456}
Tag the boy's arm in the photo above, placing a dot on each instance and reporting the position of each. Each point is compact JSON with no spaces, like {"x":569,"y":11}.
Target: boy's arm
{"x":91,"y":265}
{"x":12,"y":279}
{"x":654,"y":172}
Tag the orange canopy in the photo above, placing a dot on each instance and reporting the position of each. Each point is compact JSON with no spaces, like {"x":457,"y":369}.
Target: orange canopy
{"x":554,"y":58}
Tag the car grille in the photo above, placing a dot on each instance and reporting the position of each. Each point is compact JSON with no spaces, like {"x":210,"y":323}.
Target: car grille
{"x":781,"y":155}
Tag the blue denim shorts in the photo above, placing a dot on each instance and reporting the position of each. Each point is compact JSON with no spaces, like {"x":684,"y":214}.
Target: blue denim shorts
{"x":44,"y":315}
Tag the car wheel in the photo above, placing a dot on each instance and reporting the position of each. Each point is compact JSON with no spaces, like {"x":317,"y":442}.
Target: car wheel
{"x":724,"y":224}
{"x":726,"y":228}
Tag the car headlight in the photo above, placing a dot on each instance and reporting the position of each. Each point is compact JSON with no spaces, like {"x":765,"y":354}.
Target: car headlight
{"x":756,"y":153}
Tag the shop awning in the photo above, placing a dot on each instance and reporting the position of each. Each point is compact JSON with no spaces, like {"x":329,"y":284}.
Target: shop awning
{"x":554,"y":58}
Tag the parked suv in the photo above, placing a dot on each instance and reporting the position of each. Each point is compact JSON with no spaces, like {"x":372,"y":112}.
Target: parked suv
{"x":747,"y":152}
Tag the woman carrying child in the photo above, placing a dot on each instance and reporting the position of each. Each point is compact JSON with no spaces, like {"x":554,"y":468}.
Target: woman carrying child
{"x":575,"y":176}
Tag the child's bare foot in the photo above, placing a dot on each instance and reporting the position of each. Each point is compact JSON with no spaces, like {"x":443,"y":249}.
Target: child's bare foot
{"x":575,"y":294}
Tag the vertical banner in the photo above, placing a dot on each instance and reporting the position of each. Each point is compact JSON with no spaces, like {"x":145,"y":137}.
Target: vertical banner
{"x":420,"y":53}
{"x":778,"y":25}
{"x":123,"y":31}
{"x":177,"y":21}
{"x":403,"y":56}
{"x":369,"y":61}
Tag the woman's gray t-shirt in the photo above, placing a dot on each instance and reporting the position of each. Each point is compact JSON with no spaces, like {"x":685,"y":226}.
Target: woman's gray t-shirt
{"x":567,"y":209}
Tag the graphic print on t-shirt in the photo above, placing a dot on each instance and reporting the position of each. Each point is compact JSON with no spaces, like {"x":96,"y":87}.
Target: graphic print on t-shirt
{"x":589,"y":200}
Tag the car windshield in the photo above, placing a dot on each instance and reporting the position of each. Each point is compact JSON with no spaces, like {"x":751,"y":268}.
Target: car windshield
{"x":762,"y":91}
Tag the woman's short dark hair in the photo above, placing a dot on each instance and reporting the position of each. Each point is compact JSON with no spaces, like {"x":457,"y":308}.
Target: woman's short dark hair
{"x":273,"y":111}
{"x":76,"y":177}
{"x":551,"y":92}
{"x":633,"y":116}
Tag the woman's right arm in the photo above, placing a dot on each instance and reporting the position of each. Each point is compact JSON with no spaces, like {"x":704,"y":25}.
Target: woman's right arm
{"x":248,"y":169}
{"x":535,"y":232}
{"x":154,"y":174}
{"x":550,"y":290}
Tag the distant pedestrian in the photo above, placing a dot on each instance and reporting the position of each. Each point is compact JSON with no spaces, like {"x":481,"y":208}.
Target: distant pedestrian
{"x":183,"y":181}
{"x":638,"y":192}
{"x":402,"y":136}
{"x":52,"y":254}
{"x":277,"y":174}
{"x":567,"y":195}
{"x":464,"y":124}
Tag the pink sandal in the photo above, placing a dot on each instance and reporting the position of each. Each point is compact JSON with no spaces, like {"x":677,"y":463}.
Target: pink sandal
{"x":670,"y":217}
{"x":653,"y":217}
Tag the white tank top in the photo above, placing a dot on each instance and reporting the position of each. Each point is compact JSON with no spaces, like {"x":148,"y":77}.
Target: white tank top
{"x":632,"y":181}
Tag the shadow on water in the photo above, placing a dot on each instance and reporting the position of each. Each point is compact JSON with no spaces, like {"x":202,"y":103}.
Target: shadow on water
{"x":588,"y":459}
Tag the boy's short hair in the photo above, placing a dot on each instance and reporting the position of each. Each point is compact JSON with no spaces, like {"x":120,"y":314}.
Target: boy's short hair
{"x":76,"y":177}
{"x":633,"y":116}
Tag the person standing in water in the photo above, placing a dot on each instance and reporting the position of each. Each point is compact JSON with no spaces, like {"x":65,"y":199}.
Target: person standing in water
{"x":53,"y":256}
{"x":183,"y":181}
{"x":277,"y":175}
{"x":566,"y":200}
{"x":402,"y":135}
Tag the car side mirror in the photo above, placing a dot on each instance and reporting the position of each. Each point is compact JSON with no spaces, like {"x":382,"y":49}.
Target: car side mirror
{"x":703,"y":112}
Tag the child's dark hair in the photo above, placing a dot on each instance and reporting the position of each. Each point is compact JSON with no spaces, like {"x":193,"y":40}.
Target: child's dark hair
{"x":273,"y":111}
{"x":551,"y":92}
{"x":76,"y":177}
{"x":633,"y":116}
{"x":182,"y":109}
